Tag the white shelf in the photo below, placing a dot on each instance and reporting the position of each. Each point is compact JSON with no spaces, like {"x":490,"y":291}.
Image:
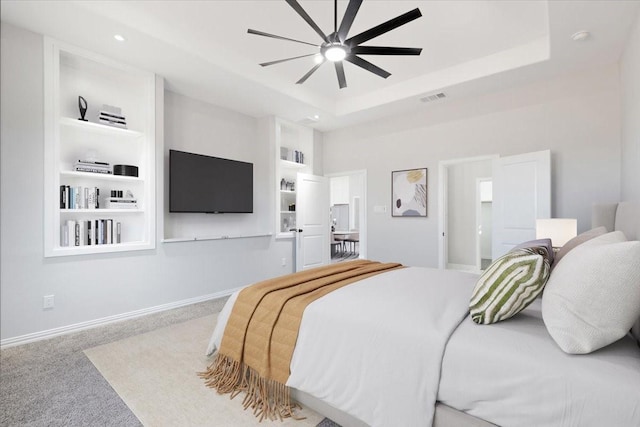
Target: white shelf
{"x":292,"y":165}
{"x":225,"y":237}
{"x":100,"y":176}
{"x":100,"y":211}
{"x":97,"y":127}
{"x":288,"y":212}
{"x":288,"y":191}
{"x":91,"y":249}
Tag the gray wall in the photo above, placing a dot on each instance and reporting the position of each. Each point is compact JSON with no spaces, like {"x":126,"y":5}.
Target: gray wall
{"x":577,"y":117}
{"x":630,"y":83}
{"x":84,"y":286}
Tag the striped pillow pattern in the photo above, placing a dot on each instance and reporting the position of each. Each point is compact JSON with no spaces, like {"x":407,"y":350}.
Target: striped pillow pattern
{"x":509,"y":285}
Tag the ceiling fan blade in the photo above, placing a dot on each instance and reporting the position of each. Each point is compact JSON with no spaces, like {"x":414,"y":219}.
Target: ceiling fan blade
{"x":266,"y":64}
{"x":342,"y":81}
{"x":384,"y":27}
{"x":347,"y":19}
{"x":261,"y":33}
{"x":355,"y":60}
{"x":385,"y":50}
{"x":311,"y":71}
{"x":296,"y":6}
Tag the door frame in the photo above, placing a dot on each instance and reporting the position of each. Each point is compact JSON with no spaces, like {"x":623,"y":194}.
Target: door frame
{"x":362,"y":244}
{"x":443,"y":210}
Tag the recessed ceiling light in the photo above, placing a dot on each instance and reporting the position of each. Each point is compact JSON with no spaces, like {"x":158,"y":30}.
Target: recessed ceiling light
{"x":119,"y":37}
{"x":580,"y":36}
{"x":318,"y":58}
{"x":316,"y":116}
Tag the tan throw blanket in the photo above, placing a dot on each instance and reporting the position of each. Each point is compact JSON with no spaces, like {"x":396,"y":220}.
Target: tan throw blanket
{"x":261,"y":333}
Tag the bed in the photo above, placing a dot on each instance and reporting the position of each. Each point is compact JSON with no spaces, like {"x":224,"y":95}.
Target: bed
{"x":359,"y":364}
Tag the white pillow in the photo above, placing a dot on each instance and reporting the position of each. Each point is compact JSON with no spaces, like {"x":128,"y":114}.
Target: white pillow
{"x":592,"y":297}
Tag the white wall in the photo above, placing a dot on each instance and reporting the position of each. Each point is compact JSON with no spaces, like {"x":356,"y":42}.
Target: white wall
{"x":197,"y":127}
{"x":577,"y":117}
{"x":630,"y":89}
{"x":84,"y":286}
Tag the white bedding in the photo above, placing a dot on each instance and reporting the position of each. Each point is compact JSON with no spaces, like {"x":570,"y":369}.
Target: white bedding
{"x":372,"y":371}
{"x":513,"y":374}
{"x":375,"y":350}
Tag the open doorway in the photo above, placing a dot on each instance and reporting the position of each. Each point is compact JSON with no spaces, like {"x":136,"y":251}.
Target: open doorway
{"x":465,"y":213}
{"x":484,"y":219}
{"x":347,"y":215}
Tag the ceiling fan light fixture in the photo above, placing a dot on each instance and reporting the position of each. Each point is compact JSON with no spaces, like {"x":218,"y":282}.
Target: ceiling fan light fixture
{"x":335,"y":52}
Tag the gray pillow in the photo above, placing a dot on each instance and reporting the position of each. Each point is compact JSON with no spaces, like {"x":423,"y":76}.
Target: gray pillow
{"x":509,"y":285}
{"x":544,"y":245}
{"x":578,"y":240}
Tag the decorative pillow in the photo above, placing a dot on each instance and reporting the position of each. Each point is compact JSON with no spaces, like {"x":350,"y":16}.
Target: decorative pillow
{"x":577,"y":241}
{"x":593,"y":296}
{"x":510,"y":284}
{"x":544,"y":243}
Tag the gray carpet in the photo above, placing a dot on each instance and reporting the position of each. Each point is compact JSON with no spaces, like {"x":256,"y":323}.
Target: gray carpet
{"x":52,"y":383}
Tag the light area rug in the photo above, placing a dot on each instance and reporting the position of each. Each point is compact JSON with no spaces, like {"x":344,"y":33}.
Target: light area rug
{"x":155,"y":374}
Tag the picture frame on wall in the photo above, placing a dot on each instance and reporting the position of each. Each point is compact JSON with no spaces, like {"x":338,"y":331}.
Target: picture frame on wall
{"x":409,"y":193}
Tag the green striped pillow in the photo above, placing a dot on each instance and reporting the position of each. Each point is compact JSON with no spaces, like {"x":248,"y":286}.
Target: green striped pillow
{"x":510,"y":284}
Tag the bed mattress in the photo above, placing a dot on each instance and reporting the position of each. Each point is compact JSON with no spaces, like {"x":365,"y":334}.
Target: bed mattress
{"x":513,"y":374}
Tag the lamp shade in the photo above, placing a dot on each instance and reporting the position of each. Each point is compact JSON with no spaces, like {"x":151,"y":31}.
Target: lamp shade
{"x":559,"y":230}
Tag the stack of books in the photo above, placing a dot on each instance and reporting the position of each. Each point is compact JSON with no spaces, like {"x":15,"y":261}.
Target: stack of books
{"x":95,"y":167}
{"x":112,"y":116}
{"x":122,"y":203}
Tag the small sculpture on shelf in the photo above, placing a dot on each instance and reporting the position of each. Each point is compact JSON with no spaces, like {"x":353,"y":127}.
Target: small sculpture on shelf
{"x":82,"y":106}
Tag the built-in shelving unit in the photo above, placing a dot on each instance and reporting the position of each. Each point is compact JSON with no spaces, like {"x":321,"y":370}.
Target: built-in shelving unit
{"x":71,"y":72}
{"x":289,"y":139}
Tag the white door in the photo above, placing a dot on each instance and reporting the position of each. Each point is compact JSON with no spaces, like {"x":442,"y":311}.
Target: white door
{"x":312,"y":236}
{"x":521,"y":194}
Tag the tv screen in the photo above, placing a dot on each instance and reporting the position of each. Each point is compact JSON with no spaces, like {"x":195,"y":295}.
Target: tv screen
{"x":199,"y":183}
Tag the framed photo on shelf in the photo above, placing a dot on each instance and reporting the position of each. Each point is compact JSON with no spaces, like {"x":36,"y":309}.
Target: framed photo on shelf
{"x":409,"y":193}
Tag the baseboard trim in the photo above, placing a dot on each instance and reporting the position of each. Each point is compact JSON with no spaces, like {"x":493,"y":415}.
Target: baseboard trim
{"x":50,"y":333}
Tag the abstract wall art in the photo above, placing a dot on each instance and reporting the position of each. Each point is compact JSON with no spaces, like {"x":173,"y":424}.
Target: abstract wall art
{"x":409,"y":193}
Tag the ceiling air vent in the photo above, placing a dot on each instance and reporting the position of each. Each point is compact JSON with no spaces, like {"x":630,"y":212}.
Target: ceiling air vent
{"x":311,"y":120}
{"x":433,"y":97}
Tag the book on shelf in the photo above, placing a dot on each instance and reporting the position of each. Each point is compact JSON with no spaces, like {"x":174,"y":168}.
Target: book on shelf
{"x":92,"y":169}
{"x":109,"y":122}
{"x":91,"y":163}
{"x":111,"y":115}
{"x":109,"y":231}
{"x":121,"y":203}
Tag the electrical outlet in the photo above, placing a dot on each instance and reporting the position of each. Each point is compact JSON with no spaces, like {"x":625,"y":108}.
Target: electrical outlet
{"x":47,"y":301}
{"x":284,"y":262}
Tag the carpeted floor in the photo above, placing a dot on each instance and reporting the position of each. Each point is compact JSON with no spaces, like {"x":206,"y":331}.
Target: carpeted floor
{"x":53,"y":383}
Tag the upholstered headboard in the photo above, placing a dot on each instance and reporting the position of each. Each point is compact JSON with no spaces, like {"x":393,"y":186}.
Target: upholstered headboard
{"x":623,"y":216}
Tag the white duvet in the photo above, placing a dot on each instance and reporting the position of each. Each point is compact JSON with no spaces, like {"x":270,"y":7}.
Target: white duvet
{"x":370,"y":351}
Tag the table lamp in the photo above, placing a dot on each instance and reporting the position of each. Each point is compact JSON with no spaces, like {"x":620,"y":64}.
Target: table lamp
{"x":559,"y":230}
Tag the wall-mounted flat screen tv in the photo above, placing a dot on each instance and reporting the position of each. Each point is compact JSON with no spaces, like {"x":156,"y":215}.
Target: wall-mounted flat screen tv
{"x":199,"y":183}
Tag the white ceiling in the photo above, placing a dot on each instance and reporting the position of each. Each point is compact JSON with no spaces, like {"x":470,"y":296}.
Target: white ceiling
{"x":203,"y":50}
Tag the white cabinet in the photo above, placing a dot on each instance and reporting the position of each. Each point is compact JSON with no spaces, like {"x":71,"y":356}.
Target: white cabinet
{"x":69,"y":73}
{"x":289,"y":140}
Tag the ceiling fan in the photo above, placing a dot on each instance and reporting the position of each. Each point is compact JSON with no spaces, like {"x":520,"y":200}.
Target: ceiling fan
{"x":336,"y":47}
